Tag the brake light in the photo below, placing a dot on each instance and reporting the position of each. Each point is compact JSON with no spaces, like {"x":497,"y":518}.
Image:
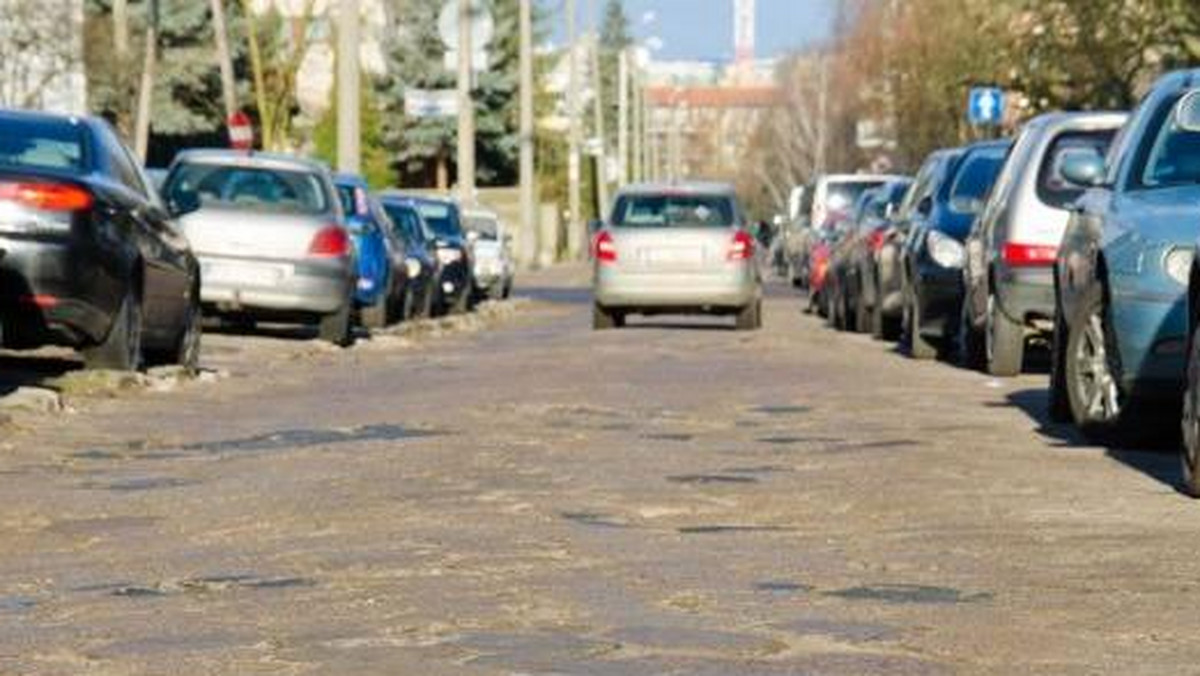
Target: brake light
{"x":604,"y":249}
{"x":1028,"y":255}
{"x":742,"y":247}
{"x":47,"y":196}
{"x":330,"y":242}
{"x":875,"y":240}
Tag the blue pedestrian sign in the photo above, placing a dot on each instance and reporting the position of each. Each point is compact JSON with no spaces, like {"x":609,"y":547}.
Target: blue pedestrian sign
{"x":986,"y":106}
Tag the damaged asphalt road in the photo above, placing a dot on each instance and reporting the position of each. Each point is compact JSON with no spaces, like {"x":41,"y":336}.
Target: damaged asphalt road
{"x":518,"y":494}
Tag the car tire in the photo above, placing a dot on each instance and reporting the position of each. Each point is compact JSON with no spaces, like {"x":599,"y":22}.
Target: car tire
{"x":337,"y":327}
{"x":1092,"y":382}
{"x":749,"y":318}
{"x":186,"y":351}
{"x":1190,"y":422}
{"x":121,"y":349}
{"x":1004,"y":341}
{"x":864,"y":317}
{"x":375,"y":316}
{"x":972,"y":353}
{"x":462,"y":304}
{"x":606,"y":319}
{"x":1059,"y":404}
{"x":919,"y":347}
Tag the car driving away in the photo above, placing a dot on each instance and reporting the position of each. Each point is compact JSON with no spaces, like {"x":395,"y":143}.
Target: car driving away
{"x":271,"y":238}
{"x":675,"y":249}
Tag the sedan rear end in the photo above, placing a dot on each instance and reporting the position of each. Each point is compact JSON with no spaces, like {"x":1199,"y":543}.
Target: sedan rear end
{"x":668,"y":250}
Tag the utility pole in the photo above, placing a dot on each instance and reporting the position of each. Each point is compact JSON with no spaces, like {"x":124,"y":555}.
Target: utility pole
{"x":574,"y":239}
{"x":638,"y":131}
{"x":598,"y":115}
{"x":120,"y":18}
{"x":224,"y":60}
{"x":349,"y":137}
{"x":822,"y":113}
{"x":623,"y":116}
{"x":528,"y":215}
{"x":466,"y":108}
{"x":141,"y":134}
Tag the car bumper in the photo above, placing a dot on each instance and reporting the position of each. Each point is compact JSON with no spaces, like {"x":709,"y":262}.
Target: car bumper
{"x":1026,"y":294}
{"x":245,"y":285}
{"x":732,"y":288}
{"x":1151,"y":335}
{"x":53,"y":292}
{"x":940,"y":291}
{"x":891,"y":292}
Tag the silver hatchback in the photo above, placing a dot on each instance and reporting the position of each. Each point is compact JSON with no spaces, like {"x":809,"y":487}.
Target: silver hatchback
{"x":675,"y":249}
{"x":270,"y":236}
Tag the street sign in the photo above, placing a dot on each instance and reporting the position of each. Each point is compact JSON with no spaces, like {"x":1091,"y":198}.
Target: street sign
{"x":483,"y":28}
{"x":241,"y":132}
{"x":985,"y":107}
{"x":430,"y":102}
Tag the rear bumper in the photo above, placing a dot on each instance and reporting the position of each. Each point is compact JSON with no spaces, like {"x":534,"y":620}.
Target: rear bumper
{"x":1025,"y":294}
{"x":56,"y":292}
{"x":733,"y":287}
{"x":318,"y":287}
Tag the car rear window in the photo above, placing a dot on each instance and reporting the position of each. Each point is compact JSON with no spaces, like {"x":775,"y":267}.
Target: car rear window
{"x":442,"y":218}
{"x":41,"y":144}
{"x":1052,"y":187}
{"x":843,"y":195}
{"x":354,"y":200}
{"x":674,"y":211}
{"x":975,"y":178}
{"x":257,"y":188}
{"x":486,"y":227}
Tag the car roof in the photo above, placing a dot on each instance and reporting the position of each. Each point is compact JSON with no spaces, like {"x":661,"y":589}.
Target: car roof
{"x":242,"y":158}
{"x":393,"y":195}
{"x":343,"y":178}
{"x":858,"y":178}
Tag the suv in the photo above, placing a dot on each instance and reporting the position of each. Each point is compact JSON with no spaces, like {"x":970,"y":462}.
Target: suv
{"x":91,"y":259}
{"x":1010,"y":253}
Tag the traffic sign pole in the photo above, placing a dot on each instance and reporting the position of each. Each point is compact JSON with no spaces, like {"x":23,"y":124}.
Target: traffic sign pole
{"x":466,"y":110}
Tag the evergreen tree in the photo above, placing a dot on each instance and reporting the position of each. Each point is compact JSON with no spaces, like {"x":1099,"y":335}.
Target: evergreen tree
{"x":615,"y":36}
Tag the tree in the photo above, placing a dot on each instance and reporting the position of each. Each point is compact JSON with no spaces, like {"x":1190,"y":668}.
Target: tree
{"x":39,"y":51}
{"x":615,"y":37}
{"x":376,"y":161}
{"x":277,"y":45}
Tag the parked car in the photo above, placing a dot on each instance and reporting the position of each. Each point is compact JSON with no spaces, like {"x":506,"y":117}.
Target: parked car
{"x":420,"y":244}
{"x":491,"y":246}
{"x":1122,"y":270}
{"x":92,"y":259}
{"x":271,"y":237}
{"x":675,"y":249}
{"x":382,"y":276}
{"x":854,"y":261}
{"x":456,"y":277}
{"x":827,"y":200}
{"x":933,"y":253}
{"x":1008,"y":276}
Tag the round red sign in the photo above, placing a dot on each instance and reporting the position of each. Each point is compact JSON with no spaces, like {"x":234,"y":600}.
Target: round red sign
{"x":241,"y":132}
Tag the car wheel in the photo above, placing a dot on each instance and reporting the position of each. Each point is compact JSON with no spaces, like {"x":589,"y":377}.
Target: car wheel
{"x":337,"y":328}
{"x":375,"y":316}
{"x":1005,"y":341}
{"x":606,"y":319}
{"x":864,"y":316}
{"x":1091,"y":379}
{"x":462,"y":304}
{"x":749,"y":318}
{"x":1190,"y":453}
{"x":972,"y":353}
{"x":918,"y":346}
{"x":1060,"y":405}
{"x":407,"y":304}
{"x":121,"y":350}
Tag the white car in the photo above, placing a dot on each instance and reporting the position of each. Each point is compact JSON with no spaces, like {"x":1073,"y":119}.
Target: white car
{"x":492,"y":248}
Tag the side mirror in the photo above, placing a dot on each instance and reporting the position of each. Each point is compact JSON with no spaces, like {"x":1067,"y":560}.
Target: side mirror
{"x":1084,"y":168}
{"x":183,"y":203}
{"x":1187,"y":112}
{"x":925,"y":206}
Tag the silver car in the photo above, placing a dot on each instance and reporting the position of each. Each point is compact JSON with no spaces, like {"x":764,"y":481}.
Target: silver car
{"x":492,"y":248}
{"x":269,"y":233}
{"x":675,"y":249}
{"x":1008,"y":275}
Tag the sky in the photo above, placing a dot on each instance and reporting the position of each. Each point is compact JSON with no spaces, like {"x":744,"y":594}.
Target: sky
{"x":703,"y":29}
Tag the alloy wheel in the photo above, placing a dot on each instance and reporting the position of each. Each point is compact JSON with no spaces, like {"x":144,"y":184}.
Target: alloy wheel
{"x":1095,"y":383}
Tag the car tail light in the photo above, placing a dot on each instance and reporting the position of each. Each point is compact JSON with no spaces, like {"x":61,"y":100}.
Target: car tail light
{"x":47,"y":196}
{"x":1027,"y":255}
{"x":330,"y":242}
{"x":605,"y":249}
{"x":875,"y":240}
{"x":742,"y":247}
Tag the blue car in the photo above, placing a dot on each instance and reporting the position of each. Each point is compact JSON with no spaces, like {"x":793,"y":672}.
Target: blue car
{"x":456,"y":279}
{"x":948,"y":194}
{"x":1121,"y":273}
{"x":379,"y":294}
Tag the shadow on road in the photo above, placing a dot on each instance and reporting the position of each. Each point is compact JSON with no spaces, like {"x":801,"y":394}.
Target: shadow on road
{"x":567,"y":295}
{"x":32,"y":371}
{"x":1154,"y":452}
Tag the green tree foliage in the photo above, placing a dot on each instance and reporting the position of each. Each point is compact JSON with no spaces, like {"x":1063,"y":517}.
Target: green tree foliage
{"x":376,"y":160}
{"x":417,"y":61}
{"x":615,"y":36}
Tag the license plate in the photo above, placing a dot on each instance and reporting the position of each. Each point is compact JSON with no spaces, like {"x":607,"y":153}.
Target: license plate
{"x":249,"y":275}
{"x":674,"y":256}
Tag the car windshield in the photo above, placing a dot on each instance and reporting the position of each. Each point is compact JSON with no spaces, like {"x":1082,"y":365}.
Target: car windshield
{"x":485,"y":226}
{"x":975,"y":179}
{"x":667,"y":211}
{"x":442,"y":218}
{"x":41,"y":144}
{"x":406,"y":220}
{"x":353,"y":199}
{"x":257,"y":188}
{"x":1052,"y":187}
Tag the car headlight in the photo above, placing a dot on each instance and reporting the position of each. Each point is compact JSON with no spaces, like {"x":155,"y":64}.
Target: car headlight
{"x":448,"y":256}
{"x":1178,"y":264}
{"x":945,"y":250}
{"x":413,"y":267}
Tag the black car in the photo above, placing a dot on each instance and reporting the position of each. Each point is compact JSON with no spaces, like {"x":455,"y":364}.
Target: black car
{"x":420,"y":246}
{"x":456,"y":279}
{"x":93,"y":260}
{"x":934,"y":254}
